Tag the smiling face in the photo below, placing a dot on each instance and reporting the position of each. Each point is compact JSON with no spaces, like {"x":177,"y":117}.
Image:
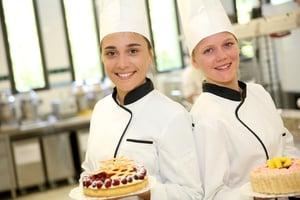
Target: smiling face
{"x":126,"y":57}
{"x":218,"y":58}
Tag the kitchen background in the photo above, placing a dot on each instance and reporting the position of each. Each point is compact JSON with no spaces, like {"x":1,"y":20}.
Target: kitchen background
{"x":51,"y":76}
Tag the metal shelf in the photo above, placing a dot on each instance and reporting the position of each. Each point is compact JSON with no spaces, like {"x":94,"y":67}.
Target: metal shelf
{"x":268,"y":25}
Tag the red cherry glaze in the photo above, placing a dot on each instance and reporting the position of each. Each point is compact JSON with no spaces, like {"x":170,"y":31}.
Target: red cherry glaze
{"x":136,"y":177}
{"x":116,"y":182}
{"x":143,"y":172}
{"x":101,"y":176}
{"x":99,"y":184}
{"x":129,"y":179}
{"x":107,"y":183}
{"x":87,"y":183}
{"x":141,"y":177}
{"x":124,"y":181}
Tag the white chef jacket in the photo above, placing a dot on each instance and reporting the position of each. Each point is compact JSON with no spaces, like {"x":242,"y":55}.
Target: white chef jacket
{"x":152,"y":130}
{"x":227,"y":149}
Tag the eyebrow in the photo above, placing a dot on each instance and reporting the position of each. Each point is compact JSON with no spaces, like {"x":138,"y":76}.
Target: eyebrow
{"x":226,"y":40}
{"x":133,"y":45}
{"x":129,"y":45}
{"x":110,"y":47}
{"x":229,"y":39}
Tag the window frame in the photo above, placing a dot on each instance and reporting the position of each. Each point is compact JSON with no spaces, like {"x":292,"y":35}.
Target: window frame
{"x":8,"y":52}
{"x":178,"y":32}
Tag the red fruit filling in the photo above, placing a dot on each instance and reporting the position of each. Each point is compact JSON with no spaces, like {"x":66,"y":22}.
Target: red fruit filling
{"x":136,"y":177}
{"x":129,"y":179}
{"x":99,"y":184}
{"x":116,"y":182}
{"x":107,"y":183}
{"x":124,"y":181}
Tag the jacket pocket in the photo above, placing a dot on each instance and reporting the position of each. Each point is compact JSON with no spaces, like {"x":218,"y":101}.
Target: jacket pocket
{"x":141,"y":151}
{"x":140,"y":141}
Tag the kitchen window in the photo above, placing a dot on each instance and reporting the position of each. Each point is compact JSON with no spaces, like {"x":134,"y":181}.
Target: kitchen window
{"x":4,"y":78}
{"x":244,"y":10}
{"x":24,"y":46}
{"x":55,"y":42}
{"x":164,"y":27}
{"x":82,"y":31}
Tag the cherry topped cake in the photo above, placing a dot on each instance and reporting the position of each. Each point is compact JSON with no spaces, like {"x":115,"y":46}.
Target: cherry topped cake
{"x":118,"y":176}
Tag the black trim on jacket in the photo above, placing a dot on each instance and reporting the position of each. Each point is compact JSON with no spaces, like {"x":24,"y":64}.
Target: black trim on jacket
{"x":234,"y":96}
{"x":225,"y":92}
{"x":137,"y":93}
{"x":139,"y":141}
{"x":245,"y":125}
{"x":132,"y":97}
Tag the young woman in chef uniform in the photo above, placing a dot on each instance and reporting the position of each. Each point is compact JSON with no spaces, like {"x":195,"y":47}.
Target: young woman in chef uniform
{"x":136,"y":120}
{"x":237,"y":126}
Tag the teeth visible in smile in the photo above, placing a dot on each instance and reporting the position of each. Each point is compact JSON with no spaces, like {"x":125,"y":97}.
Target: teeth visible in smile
{"x":124,"y":75}
{"x":223,"y":67}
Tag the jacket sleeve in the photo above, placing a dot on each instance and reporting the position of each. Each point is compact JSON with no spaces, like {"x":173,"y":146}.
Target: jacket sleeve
{"x":289,"y":147}
{"x":214,"y":160}
{"x":177,"y":161}
{"x":89,"y":164}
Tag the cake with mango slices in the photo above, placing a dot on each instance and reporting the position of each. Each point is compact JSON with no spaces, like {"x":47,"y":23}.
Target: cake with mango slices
{"x":280,"y":175}
{"x":116,"y":177}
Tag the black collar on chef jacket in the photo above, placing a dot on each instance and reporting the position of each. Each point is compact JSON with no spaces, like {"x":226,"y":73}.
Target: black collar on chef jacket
{"x":131,"y":97}
{"x":234,"y":96}
{"x":136,"y":93}
{"x":225,"y":92}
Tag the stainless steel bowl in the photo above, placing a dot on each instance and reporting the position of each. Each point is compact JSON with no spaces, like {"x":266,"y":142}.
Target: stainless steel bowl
{"x":7,"y":107}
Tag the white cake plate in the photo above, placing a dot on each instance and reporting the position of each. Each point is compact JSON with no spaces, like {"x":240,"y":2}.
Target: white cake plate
{"x":246,"y":190}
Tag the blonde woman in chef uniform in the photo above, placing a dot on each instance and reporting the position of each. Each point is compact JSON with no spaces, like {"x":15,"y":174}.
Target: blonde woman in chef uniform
{"x":137,"y":121}
{"x":237,"y":126}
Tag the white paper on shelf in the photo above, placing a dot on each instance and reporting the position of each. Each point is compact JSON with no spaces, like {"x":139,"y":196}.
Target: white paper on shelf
{"x":27,"y":153}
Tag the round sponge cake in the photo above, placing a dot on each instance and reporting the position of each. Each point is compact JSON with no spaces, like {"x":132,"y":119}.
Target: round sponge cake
{"x":280,"y":175}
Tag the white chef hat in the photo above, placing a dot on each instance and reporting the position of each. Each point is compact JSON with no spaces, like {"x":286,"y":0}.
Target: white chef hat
{"x":202,"y":18}
{"x":123,"y":16}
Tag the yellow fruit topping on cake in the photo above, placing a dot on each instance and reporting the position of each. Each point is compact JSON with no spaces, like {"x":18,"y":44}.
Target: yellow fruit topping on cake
{"x":279,"y":162}
{"x":280,"y":175}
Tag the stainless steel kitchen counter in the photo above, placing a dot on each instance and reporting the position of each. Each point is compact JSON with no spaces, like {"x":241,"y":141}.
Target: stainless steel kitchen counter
{"x":47,"y":127}
{"x":43,"y":135}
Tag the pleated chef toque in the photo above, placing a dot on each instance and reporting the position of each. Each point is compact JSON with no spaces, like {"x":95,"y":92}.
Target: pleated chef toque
{"x":202,"y":18}
{"x":123,"y":16}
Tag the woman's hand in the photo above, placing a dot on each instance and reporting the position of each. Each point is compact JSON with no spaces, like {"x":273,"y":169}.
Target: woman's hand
{"x":145,"y":195}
